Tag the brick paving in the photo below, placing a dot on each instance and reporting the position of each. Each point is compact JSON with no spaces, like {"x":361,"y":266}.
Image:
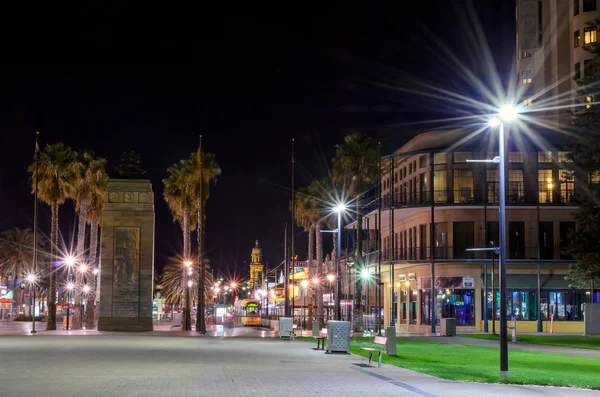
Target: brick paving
{"x":172,"y":364}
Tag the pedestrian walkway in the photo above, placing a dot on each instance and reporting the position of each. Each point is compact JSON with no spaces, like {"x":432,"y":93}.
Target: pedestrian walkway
{"x":164,"y":364}
{"x":569,"y":351}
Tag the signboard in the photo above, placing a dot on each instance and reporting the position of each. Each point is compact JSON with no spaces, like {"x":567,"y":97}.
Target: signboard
{"x":468,"y":282}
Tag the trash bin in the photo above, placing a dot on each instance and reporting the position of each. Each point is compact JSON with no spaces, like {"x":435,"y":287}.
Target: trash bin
{"x":390,"y":343}
{"x":286,"y":327}
{"x":315,"y":328}
{"x":448,"y":327}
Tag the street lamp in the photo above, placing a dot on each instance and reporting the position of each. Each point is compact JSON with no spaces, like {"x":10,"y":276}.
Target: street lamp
{"x":506,"y":113}
{"x":70,"y":287}
{"x":187,"y":314}
{"x":339,"y":209}
{"x":31,"y":281}
{"x":304,"y":284}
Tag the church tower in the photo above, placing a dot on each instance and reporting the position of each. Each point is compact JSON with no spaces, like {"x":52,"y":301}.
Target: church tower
{"x":256,"y":267}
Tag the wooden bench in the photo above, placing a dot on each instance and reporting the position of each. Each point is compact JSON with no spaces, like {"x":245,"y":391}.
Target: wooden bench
{"x":321,"y":339}
{"x":378,"y":346}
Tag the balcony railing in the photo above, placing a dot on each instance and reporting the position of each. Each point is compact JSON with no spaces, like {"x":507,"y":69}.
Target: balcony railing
{"x":479,"y":197}
{"x":453,"y":253}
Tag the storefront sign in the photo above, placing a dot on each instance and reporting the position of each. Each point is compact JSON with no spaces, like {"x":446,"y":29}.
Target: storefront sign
{"x":468,"y":282}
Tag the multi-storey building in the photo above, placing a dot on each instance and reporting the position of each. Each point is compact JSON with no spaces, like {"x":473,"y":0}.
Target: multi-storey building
{"x":436,"y":205}
{"x":551,"y":39}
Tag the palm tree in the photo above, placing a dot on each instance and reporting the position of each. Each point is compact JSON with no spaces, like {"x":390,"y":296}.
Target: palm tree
{"x":355,"y":169}
{"x":16,"y":256}
{"x":90,"y":181}
{"x":55,"y":178}
{"x":94,"y":218}
{"x":172,"y":282}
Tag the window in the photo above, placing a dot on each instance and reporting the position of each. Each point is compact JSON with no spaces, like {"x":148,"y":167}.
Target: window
{"x":577,"y":71}
{"x":545,"y":186}
{"x":575,"y":7}
{"x":423,"y":241}
{"x":525,"y":54}
{"x":462,"y":157}
{"x":595,"y":177}
{"x":463,"y":186}
{"x":441,"y":240}
{"x":565,"y":228}
{"x":516,"y":240}
{"x":546,"y":240}
{"x":588,"y":67}
{"x":589,"y":5}
{"x":527,"y":103}
{"x":526,"y":76}
{"x":410,"y":170}
{"x":422,"y":161}
{"x":564,"y":157}
{"x":515,"y":157}
{"x":516,"y":191}
{"x":439,"y":158}
{"x":589,"y":34}
{"x":493,"y":184}
{"x":590,"y":99}
{"x":463,"y":238}
{"x":440,"y":187}
{"x":544,"y":157}
{"x":577,"y":38}
{"x":567,"y":185}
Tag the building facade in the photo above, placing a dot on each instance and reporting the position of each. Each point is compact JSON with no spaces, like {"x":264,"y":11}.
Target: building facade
{"x":436,"y":206}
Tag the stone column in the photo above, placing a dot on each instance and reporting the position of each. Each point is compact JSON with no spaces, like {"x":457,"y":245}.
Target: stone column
{"x":127,"y":252}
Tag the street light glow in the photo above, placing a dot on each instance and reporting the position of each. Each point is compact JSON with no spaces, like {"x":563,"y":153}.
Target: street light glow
{"x":233,"y":285}
{"x":341,"y":207}
{"x":83,"y":268}
{"x":190,"y":283}
{"x":495,"y":122}
{"x":365,"y":273}
{"x":304,"y":283}
{"x":31,"y":278}
{"x":315,"y":281}
{"x":217,"y":290}
{"x":70,"y":286}
{"x":96,"y":272}
{"x":188,"y":263}
{"x":508,"y":112}
{"x":330,"y":277}
{"x":70,"y":261}
{"x":86,"y":288}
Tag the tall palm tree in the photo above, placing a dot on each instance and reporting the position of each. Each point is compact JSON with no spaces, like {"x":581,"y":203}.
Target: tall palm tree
{"x":172,"y":281}
{"x":16,"y":256}
{"x":90,"y":181}
{"x":55,"y":178}
{"x":94,"y":218}
{"x":355,"y":169}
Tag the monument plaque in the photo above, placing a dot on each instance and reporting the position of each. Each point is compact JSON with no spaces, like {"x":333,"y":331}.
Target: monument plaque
{"x":126,"y":273}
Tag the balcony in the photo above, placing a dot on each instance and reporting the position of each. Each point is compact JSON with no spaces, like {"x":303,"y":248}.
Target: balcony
{"x":418,"y":254}
{"x":514,"y":197}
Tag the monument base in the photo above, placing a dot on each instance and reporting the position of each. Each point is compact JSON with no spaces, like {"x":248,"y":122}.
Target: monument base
{"x":124,"y":324}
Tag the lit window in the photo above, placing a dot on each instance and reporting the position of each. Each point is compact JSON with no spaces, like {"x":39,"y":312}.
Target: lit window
{"x":526,"y":76}
{"x":590,"y":99}
{"x":515,"y":186}
{"x":462,"y":157}
{"x":564,"y":157}
{"x":527,"y":103}
{"x":440,"y":187}
{"x":463,"y":186}
{"x":525,"y":54}
{"x":577,"y":38}
{"x":544,"y":157}
{"x":589,"y":5}
{"x":595,"y":177}
{"x":546,"y":185}
{"x":439,"y":158}
{"x":567,"y":185}
{"x":589,"y":34}
{"x":515,"y":157}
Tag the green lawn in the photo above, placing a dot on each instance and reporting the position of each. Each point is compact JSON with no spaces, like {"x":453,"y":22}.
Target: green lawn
{"x":481,"y":364}
{"x":578,"y":341}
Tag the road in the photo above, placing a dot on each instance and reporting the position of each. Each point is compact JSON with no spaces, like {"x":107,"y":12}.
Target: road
{"x":183,"y":364}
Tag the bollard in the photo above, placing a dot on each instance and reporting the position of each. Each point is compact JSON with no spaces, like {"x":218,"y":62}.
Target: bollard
{"x":514,"y":329}
{"x":390,"y":344}
{"x":315,"y":328}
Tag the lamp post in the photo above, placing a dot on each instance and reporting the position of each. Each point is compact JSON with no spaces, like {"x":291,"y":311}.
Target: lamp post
{"x":304,"y":284}
{"x":187,"y":314}
{"x":507,"y":113}
{"x":330,"y":278}
{"x":70,"y":287}
{"x":340,"y":208}
{"x":31,"y":281}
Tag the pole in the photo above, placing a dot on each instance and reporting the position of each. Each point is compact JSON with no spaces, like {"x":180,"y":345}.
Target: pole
{"x":433,"y":296}
{"x":393,"y":313}
{"x":493,"y":291}
{"x":539,"y":266}
{"x":286,"y":272}
{"x":68,"y":307}
{"x":292,"y":236}
{"x":35,"y":220}
{"x":338,"y":276}
{"x":200,"y":320}
{"x":485,"y":236}
{"x":378,"y":228}
{"x":503,"y":323}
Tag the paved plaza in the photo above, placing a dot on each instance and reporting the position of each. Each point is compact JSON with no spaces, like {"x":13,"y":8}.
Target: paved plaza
{"x":178,"y":364}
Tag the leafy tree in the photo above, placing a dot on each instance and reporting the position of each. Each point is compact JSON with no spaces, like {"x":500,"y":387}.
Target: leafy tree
{"x":355,"y":170}
{"x":56,"y":178}
{"x":131,"y":166}
{"x":16,"y":256}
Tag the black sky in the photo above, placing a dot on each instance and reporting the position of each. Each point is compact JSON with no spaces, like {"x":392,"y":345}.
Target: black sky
{"x":117,"y":76}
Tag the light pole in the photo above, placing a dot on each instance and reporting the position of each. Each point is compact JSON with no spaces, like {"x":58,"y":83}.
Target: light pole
{"x":340,"y":208}
{"x":70,"y":287}
{"x":304,"y":284}
{"x":330,"y":278}
{"x":186,"y":314}
{"x":507,"y":113}
{"x":31,"y":281}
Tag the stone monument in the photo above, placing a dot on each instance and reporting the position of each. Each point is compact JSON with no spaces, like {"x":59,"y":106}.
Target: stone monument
{"x":127,"y":268}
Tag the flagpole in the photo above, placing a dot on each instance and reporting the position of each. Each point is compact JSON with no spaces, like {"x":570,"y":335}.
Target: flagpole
{"x":200,"y":321}
{"x":35,"y":227}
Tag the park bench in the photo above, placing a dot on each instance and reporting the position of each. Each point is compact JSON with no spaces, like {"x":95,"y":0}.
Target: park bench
{"x":378,"y":346}
{"x":321,"y":339}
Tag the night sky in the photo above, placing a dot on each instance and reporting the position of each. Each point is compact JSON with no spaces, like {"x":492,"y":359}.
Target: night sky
{"x":118,"y":77}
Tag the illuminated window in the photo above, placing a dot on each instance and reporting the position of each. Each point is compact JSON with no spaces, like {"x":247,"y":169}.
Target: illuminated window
{"x":577,"y":38}
{"x":589,"y":34}
{"x":546,"y":186}
{"x":516,"y":191}
{"x":515,"y":157}
{"x":422,"y":161}
{"x":440,"y":186}
{"x":590,"y":99}
{"x":493,"y":184}
{"x":525,"y":54}
{"x":544,"y":157}
{"x":463,"y":186}
{"x":526,"y":76}
{"x":462,"y":157}
{"x":595,"y":177}
{"x":567,"y":185}
{"x":577,"y":71}
{"x":575,"y":7}
{"x":564,"y":157}
{"x":439,"y":158}
{"x":589,"y":5}
{"x":527,"y":103}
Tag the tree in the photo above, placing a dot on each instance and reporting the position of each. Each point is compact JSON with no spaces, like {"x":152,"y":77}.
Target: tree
{"x":131,"y":166}
{"x":90,"y":182}
{"x":355,"y":170}
{"x":585,"y":155}
{"x":172,"y":282}
{"x":55,"y":178}
{"x":16,"y":256}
